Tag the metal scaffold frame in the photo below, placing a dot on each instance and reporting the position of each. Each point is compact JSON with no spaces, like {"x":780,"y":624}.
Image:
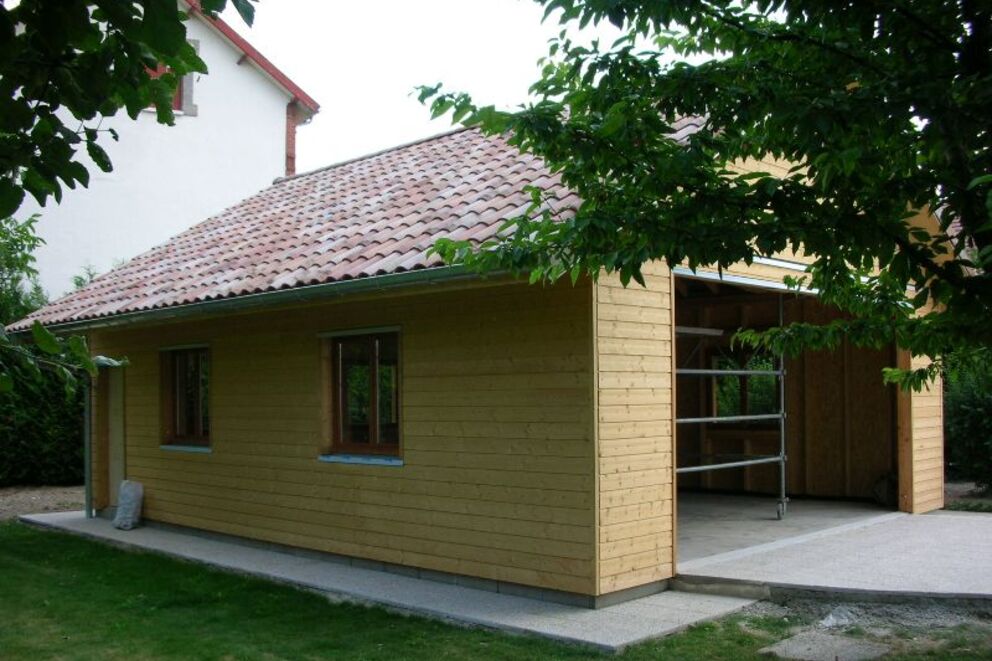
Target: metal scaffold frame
{"x":746,"y":460}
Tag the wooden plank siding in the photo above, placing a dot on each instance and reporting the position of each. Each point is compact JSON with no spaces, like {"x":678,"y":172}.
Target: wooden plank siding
{"x":634,"y":395}
{"x":496,"y":434}
{"x":921,"y":444}
{"x":537,"y":431}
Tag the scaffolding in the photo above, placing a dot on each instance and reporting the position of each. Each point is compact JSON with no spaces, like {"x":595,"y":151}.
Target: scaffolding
{"x":726,"y":462}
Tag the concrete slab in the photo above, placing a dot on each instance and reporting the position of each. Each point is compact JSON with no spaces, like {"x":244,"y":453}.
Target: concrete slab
{"x":610,"y":629}
{"x":944,"y":555}
{"x":711,"y":524}
{"x":818,"y":646}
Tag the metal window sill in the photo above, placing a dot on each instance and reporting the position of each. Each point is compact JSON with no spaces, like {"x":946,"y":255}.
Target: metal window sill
{"x":361,"y":459}
{"x":195,"y":449}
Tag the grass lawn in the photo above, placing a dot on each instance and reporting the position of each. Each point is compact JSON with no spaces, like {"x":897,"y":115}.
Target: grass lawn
{"x":70,"y":598}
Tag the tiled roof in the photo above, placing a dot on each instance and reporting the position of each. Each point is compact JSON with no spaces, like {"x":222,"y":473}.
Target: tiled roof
{"x":366,"y":217}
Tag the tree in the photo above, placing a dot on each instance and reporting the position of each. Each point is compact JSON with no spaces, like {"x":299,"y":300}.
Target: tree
{"x":881,"y":108}
{"x":85,"y":277}
{"x":82,"y":61}
{"x":79,"y":61}
{"x":20,"y":293}
{"x":40,"y":434}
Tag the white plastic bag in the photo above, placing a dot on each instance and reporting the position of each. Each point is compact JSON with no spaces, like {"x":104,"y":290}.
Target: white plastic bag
{"x":129,"y":505}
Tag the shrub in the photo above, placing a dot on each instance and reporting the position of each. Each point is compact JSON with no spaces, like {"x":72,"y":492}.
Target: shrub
{"x":968,"y":424}
{"x":41,"y":433}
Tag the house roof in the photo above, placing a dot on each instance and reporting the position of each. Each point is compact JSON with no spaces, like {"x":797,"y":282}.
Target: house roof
{"x":372,"y":216}
{"x":271,"y":71}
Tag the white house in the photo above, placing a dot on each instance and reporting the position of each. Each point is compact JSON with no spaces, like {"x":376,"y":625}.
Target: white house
{"x":235,"y":132}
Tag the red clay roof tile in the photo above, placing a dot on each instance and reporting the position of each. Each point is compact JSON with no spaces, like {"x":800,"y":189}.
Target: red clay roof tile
{"x":370,"y":216}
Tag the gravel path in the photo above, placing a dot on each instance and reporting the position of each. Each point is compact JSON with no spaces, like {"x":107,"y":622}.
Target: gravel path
{"x":15,"y":501}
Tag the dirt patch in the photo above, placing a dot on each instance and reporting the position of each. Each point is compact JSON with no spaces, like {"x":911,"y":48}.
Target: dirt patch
{"x":964,"y":490}
{"x":905,"y":629}
{"x":15,"y":501}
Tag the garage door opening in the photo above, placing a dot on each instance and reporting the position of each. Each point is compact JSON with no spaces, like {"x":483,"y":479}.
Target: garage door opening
{"x":770,"y":448}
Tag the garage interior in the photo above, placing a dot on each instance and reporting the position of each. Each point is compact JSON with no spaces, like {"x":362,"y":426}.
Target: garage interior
{"x":767,"y":448}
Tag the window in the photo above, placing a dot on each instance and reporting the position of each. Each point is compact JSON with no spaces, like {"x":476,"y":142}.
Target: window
{"x":186,"y":397}
{"x":177,"y":98}
{"x":753,"y":394}
{"x":365,"y":394}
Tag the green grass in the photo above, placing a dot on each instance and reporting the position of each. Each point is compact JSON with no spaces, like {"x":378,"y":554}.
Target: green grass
{"x":69,"y":598}
{"x":965,"y":505}
{"x":66,"y":597}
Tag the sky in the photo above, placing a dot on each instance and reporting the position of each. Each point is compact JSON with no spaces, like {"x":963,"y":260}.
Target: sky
{"x":361,"y":61}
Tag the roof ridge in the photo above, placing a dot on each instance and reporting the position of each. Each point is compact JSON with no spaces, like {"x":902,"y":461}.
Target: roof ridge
{"x":355,"y":159}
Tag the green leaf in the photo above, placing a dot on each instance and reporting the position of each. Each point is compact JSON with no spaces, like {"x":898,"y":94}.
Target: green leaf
{"x":6,"y":382}
{"x":162,"y":27}
{"x":978,"y":181}
{"x":80,"y":353}
{"x":245,"y":10}
{"x":99,"y":156}
{"x":11,"y":197}
{"x":45,"y":340}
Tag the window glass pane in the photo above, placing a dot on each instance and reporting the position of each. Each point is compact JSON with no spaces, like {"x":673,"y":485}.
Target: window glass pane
{"x":204,"y":393}
{"x":355,"y":375}
{"x":179,"y":383}
{"x":388,"y":395}
{"x":192,"y":392}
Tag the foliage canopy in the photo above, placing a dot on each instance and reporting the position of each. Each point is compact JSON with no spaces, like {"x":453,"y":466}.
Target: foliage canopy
{"x":64,"y":67}
{"x":880,"y":108}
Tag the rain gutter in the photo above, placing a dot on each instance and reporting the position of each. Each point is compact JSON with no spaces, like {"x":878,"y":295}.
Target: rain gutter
{"x":308,"y":293}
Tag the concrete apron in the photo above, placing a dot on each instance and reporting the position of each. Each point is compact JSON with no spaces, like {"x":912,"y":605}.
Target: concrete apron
{"x":611,"y":629}
{"x":893,"y":557}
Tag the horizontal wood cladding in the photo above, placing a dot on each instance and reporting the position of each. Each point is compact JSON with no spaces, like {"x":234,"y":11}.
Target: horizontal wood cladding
{"x":497,"y":444}
{"x":921,"y":444}
{"x":633,"y":350}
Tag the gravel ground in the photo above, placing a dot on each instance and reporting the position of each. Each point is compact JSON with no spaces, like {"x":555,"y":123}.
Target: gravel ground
{"x":956,"y":630}
{"x":15,"y":501}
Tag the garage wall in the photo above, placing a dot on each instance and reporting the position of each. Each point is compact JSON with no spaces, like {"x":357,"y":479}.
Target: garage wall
{"x":841,"y":424}
{"x":497,"y":431}
{"x":921,"y":444}
{"x":634,"y":391}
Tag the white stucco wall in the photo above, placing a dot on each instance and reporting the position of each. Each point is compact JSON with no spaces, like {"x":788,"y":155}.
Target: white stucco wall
{"x":167,"y":179}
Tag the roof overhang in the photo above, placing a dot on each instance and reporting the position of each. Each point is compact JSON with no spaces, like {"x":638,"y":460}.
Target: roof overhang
{"x":307,"y":104}
{"x":264,"y":300}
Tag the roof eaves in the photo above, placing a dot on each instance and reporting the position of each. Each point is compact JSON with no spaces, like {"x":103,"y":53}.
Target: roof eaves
{"x":307,"y":102}
{"x":267,"y":299}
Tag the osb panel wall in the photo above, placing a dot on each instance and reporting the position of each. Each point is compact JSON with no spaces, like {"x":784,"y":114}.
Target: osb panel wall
{"x":840,"y":431}
{"x":496,"y":425}
{"x":634,"y":413}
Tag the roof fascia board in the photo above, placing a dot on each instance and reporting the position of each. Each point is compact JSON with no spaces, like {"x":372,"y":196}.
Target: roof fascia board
{"x":259,"y":61}
{"x":742,"y":280}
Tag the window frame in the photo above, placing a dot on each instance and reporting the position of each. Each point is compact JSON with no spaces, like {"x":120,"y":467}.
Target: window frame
{"x":334,"y":394}
{"x":169,"y":398}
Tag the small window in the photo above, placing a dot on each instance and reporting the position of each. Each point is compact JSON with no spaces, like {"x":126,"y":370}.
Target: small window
{"x":177,"y":98}
{"x":753,"y":394}
{"x":365,"y":394}
{"x":186,"y":396}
